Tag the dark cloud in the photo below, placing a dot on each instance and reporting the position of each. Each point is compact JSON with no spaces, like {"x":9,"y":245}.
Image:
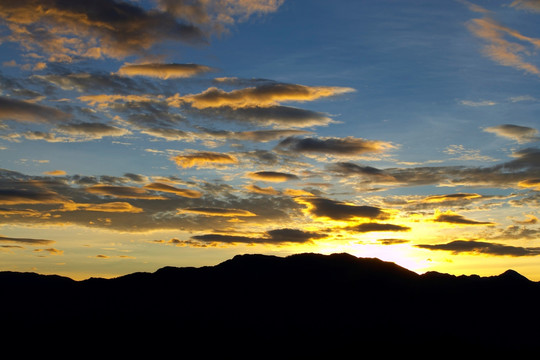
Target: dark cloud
{"x":453,"y":218}
{"x":338,"y":210}
{"x":333,"y":146}
{"x":278,"y":115}
{"x":481,"y":247}
{"x":521,"y":134}
{"x":277,"y":236}
{"x":369,"y":227}
{"x":30,"y":195}
{"x":28,"y":241}
{"x":94,"y":29}
{"x":129,"y":192}
{"x":23,"y":111}
{"x":392,"y":241}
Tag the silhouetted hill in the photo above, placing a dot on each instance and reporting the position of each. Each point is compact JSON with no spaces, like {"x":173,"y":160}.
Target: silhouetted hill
{"x":310,"y":303}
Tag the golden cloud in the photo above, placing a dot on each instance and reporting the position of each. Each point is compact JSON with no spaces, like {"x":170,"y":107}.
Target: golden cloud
{"x":171,"y":189}
{"x":260,"y":96}
{"x":203,"y":159}
{"x":163,"y":71}
{"x":272,"y":176}
{"x":129,"y":192}
{"x":212,"y":211}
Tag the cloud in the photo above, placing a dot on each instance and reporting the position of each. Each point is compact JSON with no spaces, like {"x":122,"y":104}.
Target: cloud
{"x":499,"y":49}
{"x":477,"y":103}
{"x":203,"y":159}
{"x":171,"y":189}
{"x":264,"y":95}
{"x":481,"y":247}
{"x":369,"y":227}
{"x":521,"y":134}
{"x":325,"y":208}
{"x":92,"y":130}
{"x":351,"y":169}
{"x":34,"y":195}
{"x":259,"y":135}
{"x":77,"y":28}
{"x":29,"y":241}
{"x":51,"y":251}
{"x":531,"y":219}
{"x":129,"y":192}
{"x":24,"y":111}
{"x":277,"y":236}
{"x":530,"y":183}
{"x":260,"y":190}
{"x":55,"y":173}
{"x":392,"y":241}
{"x":163,"y":71}
{"x":532,"y":5}
{"x":453,"y":218}
{"x":278,"y":115}
{"x":333,"y":146}
{"x":112,"y":207}
{"x":450,"y":197}
{"x":272,"y":176}
{"x":212,"y":211}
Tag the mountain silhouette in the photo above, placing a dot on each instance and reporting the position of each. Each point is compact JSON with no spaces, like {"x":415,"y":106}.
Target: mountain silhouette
{"x":311,"y":304}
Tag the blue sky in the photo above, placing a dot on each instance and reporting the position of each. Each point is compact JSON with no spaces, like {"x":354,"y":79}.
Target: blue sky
{"x":140,"y":134}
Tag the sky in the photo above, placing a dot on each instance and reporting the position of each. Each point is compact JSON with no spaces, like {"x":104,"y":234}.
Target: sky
{"x":149,"y":133}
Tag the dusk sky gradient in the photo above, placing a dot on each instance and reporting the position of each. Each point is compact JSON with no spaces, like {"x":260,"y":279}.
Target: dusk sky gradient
{"x":145,"y":133}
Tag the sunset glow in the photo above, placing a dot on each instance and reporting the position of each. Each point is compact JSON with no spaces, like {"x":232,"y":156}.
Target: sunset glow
{"x":145,"y":133}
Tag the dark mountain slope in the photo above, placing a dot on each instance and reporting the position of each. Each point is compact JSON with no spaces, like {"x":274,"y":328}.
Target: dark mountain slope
{"x":308,"y":302}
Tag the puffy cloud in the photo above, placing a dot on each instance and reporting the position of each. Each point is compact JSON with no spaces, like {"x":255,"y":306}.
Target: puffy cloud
{"x":372,"y":226}
{"x":203,"y":159}
{"x":333,"y":146}
{"x":453,"y":218}
{"x":24,"y":111}
{"x":481,"y":247}
{"x":163,"y":71}
{"x":171,"y":189}
{"x":100,"y":28}
{"x":260,"y":96}
{"x":277,"y":236}
{"x":272,"y":176}
{"x":521,"y":134}
{"x":319,"y":207}
{"x":212,"y":211}
{"x":29,"y":241}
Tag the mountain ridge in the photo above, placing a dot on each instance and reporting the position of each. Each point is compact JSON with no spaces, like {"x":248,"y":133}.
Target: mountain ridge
{"x":309,"y":298}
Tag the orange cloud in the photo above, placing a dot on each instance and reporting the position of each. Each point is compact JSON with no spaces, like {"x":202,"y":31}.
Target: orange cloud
{"x":499,"y":49}
{"x":203,"y":159}
{"x":171,"y":189}
{"x":211,"y":211}
{"x":530,"y":183}
{"x":115,"y":207}
{"x":450,"y":197}
{"x":261,"y":96}
{"x":260,"y":190}
{"x":55,"y":173}
{"x":272,"y":176}
{"x":163,"y":71}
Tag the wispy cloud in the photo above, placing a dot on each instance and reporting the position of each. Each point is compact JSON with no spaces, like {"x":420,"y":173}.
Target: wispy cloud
{"x":163,"y":71}
{"x":521,"y":134}
{"x":500,"y":49}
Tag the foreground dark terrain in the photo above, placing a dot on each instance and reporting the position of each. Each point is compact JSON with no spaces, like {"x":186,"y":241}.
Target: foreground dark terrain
{"x":308,"y":303}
